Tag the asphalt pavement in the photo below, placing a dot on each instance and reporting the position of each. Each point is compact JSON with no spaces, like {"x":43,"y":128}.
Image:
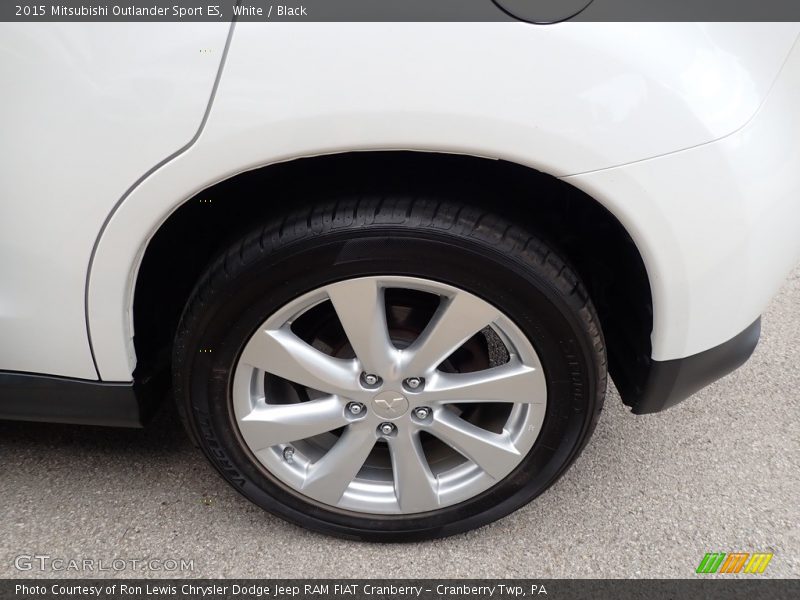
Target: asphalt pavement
{"x":648,"y":498}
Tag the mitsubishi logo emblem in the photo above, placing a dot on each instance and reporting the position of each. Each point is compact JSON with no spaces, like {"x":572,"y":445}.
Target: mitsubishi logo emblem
{"x":389,"y":405}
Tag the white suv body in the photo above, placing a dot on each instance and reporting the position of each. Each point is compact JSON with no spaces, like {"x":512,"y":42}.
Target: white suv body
{"x":687,"y":134}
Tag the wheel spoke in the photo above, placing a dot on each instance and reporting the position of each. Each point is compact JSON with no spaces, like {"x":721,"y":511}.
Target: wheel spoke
{"x":492,"y":452}
{"x":328,"y":478}
{"x":361,"y":309}
{"x":282,"y":353}
{"x":456,"y":320}
{"x":415,"y":486}
{"x":272,"y":424}
{"x":512,"y":382}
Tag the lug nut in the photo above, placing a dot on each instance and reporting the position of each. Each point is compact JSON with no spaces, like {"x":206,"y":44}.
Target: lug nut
{"x":422,"y":412}
{"x":370,"y":379}
{"x":386,"y":428}
{"x":413,"y":383}
{"x":355,"y":408}
{"x":288,"y":454}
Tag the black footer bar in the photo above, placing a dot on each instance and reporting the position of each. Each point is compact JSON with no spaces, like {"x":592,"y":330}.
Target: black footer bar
{"x":401,"y":589}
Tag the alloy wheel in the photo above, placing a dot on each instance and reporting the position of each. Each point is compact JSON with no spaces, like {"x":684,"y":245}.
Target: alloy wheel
{"x":389,"y":395}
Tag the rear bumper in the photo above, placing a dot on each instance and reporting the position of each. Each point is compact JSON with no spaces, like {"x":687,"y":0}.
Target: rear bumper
{"x":716,"y":225}
{"x":671,"y":381}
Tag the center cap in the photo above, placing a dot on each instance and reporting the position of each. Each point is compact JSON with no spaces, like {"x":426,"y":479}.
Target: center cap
{"x":389,"y":405}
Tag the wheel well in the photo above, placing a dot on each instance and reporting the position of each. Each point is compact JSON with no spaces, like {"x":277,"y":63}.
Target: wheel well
{"x":584,"y":232}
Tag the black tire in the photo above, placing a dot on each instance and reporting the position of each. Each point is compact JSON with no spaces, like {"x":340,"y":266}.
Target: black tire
{"x":462,"y":246}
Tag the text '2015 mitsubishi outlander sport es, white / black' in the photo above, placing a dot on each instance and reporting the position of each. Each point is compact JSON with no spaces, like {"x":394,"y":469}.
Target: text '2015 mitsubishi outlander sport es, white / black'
{"x":385,"y":268}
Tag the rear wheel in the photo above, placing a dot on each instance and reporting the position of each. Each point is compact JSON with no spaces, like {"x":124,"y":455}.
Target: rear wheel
{"x":390,"y":370}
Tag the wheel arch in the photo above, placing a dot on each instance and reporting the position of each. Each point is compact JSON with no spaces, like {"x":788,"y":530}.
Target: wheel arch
{"x":585,"y":232}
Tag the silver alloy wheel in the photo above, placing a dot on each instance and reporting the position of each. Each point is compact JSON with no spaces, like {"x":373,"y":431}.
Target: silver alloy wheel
{"x":479,"y":426}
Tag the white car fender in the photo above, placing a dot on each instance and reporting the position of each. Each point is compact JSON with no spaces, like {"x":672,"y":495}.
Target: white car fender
{"x":566,"y":99}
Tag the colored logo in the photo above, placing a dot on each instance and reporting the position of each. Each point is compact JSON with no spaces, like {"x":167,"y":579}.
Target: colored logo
{"x":734,"y":562}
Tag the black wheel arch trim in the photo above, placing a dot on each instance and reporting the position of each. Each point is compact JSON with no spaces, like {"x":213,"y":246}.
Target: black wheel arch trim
{"x":672,"y":381}
{"x":53,"y":399}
